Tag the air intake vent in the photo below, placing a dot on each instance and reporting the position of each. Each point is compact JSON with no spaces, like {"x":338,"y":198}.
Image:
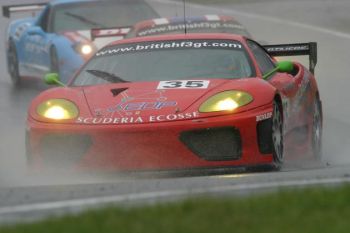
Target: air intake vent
{"x":214,"y":144}
{"x":264,"y":130}
{"x":117,"y":91}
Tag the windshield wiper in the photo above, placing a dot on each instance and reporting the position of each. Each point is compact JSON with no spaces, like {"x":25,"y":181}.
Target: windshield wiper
{"x":83,"y":19}
{"x":107,"y":76}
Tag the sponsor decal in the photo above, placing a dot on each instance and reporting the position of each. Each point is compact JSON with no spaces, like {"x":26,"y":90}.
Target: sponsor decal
{"x":287,"y":48}
{"x":168,"y":45}
{"x":140,"y":101}
{"x":189,"y":26}
{"x":212,"y":17}
{"x":183,"y":84}
{"x":140,"y":106}
{"x":20,"y":30}
{"x":142,"y":95}
{"x":110,"y":32}
{"x":161,"y":21}
{"x":137,"y":119}
{"x":264,"y":116}
{"x":173,"y":117}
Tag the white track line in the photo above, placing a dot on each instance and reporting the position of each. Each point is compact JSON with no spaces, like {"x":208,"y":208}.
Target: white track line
{"x":98,"y":201}
{"x":265,"y":18}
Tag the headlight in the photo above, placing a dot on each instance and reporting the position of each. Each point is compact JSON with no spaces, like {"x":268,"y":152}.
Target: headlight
{"x":58,"y":109}
{"x":84,"y":49}
{"x":226,"y":101}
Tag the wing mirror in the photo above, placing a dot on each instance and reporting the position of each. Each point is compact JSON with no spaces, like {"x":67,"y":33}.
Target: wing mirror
{"x":36,"y":30}
{"x":285,"y":66}
{"x":281,"y":66}
{"x":53,"y":79}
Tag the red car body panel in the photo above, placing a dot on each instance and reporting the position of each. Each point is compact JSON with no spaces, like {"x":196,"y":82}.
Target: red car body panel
{"x":152,"y":139}
{"x":146,"y":146}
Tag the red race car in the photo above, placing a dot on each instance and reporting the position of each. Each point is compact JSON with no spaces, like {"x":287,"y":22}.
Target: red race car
{"x":179,"y":102}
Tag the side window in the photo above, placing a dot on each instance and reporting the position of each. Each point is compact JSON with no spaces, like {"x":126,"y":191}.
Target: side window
{"x":262,"y":58}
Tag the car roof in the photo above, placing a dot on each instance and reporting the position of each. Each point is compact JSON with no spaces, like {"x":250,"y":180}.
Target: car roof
{"x":189,"y":36}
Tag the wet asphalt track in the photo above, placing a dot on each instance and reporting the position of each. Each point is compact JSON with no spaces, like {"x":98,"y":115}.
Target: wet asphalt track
{"x":25,"y":197}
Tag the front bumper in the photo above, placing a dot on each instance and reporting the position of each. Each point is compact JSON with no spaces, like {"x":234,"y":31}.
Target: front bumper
{"x":223,"y":141}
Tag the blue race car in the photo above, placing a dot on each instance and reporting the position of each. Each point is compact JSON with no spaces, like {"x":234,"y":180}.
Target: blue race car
{"x":58,"y":38}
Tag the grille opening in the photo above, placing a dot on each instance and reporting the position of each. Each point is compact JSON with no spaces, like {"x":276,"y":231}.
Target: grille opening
{"x":214,"y":144}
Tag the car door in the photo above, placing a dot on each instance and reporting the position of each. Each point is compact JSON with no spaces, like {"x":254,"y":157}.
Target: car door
{"x":286,"y":84}
{"x":37,"y":40}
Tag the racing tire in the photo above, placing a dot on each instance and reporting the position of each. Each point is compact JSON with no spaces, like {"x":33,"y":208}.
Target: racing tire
{"x":317,"y":127}
{"x":54,"y":62}
{"x":277,"y":136}
{"x":13,"y":65}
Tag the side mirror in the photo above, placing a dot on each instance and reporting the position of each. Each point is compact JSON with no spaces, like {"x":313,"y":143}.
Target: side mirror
{"x":35,"y":30}
{"x":285,"y":66}
{"x":53,"y":79}
{"x":281,"y":66}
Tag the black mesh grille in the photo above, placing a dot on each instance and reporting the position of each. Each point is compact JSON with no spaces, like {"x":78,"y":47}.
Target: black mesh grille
{"x":264,"y":130}
{"x":64,"y":149}
{"x":214,"y":144}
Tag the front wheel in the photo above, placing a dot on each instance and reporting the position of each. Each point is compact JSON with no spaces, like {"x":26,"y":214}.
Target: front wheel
{"x":277,"y":136}
{"x":13,"y":65}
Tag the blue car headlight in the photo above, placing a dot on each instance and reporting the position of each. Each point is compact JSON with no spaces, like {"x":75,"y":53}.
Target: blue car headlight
{"x":84,"y":49}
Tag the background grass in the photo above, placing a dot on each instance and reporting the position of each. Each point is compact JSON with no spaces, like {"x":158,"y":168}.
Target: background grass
{"x":314,"y":210}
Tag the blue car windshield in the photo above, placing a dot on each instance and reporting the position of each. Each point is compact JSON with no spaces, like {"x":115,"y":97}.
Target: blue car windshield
{"x":195,"y":27}
{"x":167,"y":60}
{"x":107,"y":14}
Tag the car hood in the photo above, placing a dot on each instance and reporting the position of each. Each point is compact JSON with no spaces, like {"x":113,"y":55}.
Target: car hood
{"x":146,"y":100}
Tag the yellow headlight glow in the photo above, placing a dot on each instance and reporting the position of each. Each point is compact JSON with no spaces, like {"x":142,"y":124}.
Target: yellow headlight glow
{"x":56,"y":112}
{"x":227,"y":104}
{"x":86,"y":49}
{"x":226,"y":101}
{"x":58,"y":109}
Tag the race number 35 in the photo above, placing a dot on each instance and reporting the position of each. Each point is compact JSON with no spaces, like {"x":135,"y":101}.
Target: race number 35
{"x":183,"y":84}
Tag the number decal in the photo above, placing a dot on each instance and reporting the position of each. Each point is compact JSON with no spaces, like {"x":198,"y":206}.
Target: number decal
{"x":172,"y":84}
{"x":183,"y":84}
{"x":194,"y":84}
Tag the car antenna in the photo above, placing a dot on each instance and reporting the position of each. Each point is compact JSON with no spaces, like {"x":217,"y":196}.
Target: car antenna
{"x":184,"y":1}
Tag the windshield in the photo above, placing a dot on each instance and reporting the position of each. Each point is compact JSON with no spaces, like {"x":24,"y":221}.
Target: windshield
{"x":199,"y":27}
{"x":168,"y":60}
{"x":73,"y":17}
